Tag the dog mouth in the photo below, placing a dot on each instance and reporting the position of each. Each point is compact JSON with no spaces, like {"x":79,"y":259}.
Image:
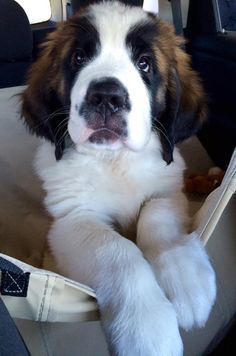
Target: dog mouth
{"x":104,"y":135}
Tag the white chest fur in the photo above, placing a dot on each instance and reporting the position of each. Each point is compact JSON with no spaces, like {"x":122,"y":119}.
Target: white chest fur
{"x":113,"y":186}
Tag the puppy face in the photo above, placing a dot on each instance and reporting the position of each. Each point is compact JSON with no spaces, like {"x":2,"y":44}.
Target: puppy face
{"x":108,"y":77}
{"x":110,"y":100}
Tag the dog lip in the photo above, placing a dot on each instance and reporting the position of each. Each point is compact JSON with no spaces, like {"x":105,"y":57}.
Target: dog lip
{"x":106,"y":129}
{"x":104,"y":134}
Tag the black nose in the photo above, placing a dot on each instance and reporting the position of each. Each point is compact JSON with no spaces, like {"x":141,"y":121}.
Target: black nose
{"x":108,"y":94}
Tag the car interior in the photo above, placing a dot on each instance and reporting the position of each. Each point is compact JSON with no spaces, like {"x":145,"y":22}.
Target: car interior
{"x":209,"y":27}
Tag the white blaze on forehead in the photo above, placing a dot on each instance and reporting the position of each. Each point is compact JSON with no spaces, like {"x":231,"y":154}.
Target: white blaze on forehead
{"x":113,"y":22}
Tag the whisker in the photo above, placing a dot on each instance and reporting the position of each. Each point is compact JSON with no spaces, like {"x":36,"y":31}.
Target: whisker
{"x":62,"y":138}
{"x":159,"y":123}
{"x":61,"y":125}
{"x":62,"y":111}
{"x":165,"y":135}
{"x":51,"y":116}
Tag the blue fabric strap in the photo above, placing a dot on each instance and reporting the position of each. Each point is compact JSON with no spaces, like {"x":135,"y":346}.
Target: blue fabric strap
{"x":14,"y":281}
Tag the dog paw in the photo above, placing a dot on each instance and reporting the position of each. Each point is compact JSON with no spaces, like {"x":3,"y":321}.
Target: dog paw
{"x":146,"y":328}
{"x":186,"y":276}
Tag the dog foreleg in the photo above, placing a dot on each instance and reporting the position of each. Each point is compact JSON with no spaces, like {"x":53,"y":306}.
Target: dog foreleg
{"x":179,"y":260}
{"x":137,"y":318}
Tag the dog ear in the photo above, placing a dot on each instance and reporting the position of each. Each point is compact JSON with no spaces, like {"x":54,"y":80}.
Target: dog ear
{"x":43,"y":109}
{"x":193,"y":103}
{"x":185,"y":101}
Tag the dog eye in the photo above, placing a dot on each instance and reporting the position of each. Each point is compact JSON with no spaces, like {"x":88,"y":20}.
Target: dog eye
{"x":143,"y":64}
{"x":79,"y":58}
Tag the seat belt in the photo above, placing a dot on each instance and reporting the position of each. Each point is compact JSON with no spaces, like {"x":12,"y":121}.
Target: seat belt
{"x":177,"y":16}
{"x":11,"y":342}
{"x":13,"y":281}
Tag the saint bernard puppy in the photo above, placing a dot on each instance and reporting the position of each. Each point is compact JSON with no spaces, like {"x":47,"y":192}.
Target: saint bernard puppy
{"x":111,"y":94}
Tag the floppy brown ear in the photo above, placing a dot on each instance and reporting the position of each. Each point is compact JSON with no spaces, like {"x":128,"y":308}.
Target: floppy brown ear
{"x":43,"y":105}
{"x":185,"y":100}
{"x":193,"y":103}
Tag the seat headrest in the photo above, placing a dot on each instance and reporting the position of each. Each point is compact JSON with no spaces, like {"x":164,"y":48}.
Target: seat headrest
{"x":15,"y":32}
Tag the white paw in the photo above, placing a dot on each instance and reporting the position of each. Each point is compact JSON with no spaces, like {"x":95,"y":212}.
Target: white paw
{"x":185,"y":274}
{"x":146,"y":327}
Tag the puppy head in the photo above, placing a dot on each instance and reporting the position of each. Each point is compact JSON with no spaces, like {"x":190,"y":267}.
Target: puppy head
{"x":108,"y":77}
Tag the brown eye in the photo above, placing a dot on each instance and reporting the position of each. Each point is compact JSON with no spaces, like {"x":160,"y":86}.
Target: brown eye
{"x":79,"y":58}
{"x":143,"y":64}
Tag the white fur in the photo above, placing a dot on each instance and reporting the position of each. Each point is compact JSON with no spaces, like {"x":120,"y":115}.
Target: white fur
{"x":87,"y":192}
{"x":105,"y":201}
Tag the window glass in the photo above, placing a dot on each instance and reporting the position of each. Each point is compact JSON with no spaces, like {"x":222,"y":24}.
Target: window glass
{"x":151,"y":5}
{"x":36,"y":10}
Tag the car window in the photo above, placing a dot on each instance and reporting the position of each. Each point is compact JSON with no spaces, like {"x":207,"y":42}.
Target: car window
{"x":36,"y":10}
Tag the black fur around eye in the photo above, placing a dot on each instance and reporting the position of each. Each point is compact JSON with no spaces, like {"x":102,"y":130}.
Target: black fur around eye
{"x":79,"y":58}
{"x":144,"y":64}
